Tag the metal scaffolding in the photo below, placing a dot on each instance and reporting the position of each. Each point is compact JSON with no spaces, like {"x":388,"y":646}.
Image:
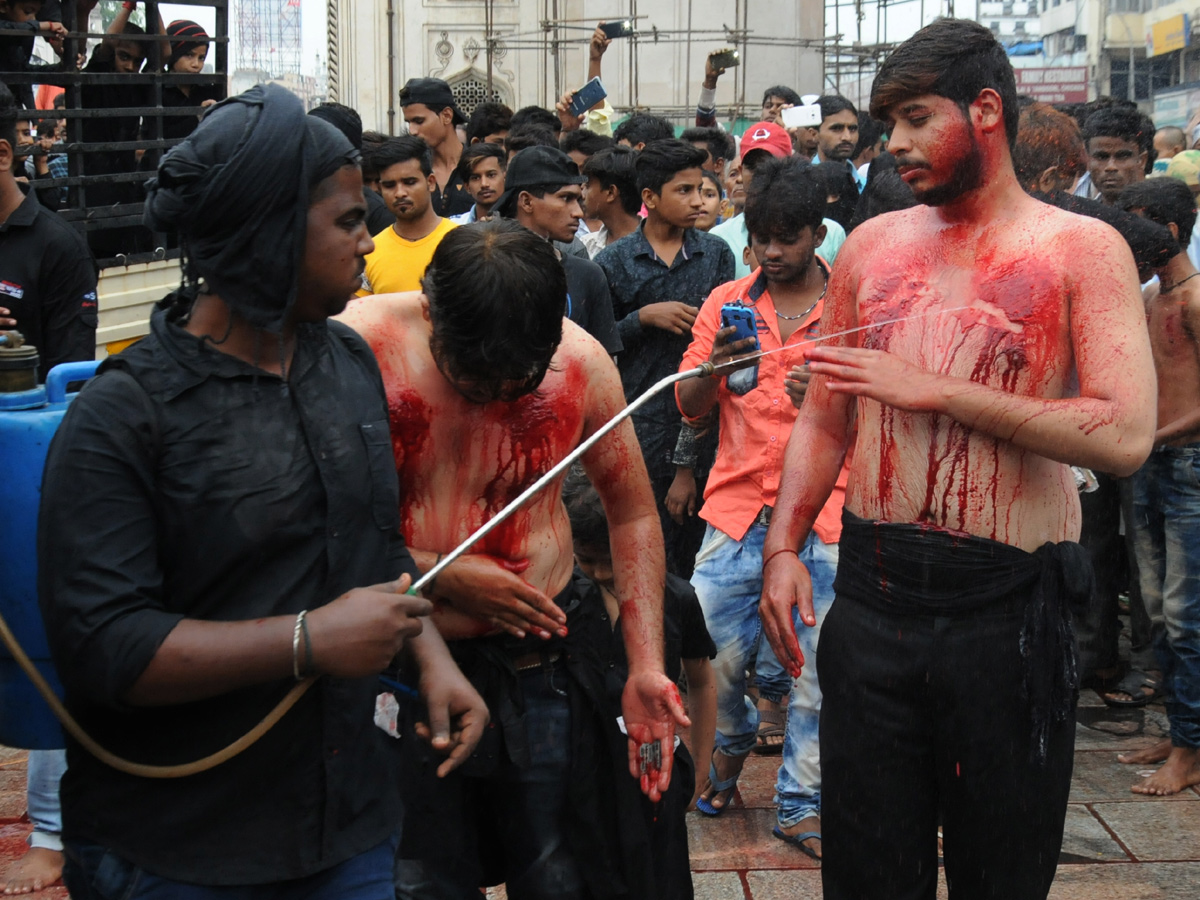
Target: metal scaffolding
{"x":269,"y":36}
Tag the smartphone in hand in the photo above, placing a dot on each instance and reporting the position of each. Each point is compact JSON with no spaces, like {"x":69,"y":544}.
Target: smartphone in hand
{"x":741,"y":317}
{"x":611,"y":30}
{"x":587,"y":96}
{"x":724,"y":59}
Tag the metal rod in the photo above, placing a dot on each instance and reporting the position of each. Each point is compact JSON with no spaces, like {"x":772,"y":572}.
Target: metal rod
{"x":700,"y":371}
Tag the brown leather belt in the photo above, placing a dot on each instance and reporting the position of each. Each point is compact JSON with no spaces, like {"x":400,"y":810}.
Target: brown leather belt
{"x":536,"y":660}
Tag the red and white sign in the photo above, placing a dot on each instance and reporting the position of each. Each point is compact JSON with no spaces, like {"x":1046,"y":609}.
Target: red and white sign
{"x":1057,"y":85}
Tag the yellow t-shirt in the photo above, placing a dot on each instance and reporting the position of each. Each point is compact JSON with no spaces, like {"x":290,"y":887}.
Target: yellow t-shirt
{"x":398,"y":265}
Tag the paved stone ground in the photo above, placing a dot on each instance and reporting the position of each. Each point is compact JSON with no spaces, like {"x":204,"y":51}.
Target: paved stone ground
{"x":1118,"y":844}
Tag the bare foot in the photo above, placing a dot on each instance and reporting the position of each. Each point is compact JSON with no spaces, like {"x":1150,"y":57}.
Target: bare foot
{"x":1147,"y":755}
{"x":1181,"y":770}
{"x":38,"y":868}
{"x":812,"y":845}
{"x":727,"y":767}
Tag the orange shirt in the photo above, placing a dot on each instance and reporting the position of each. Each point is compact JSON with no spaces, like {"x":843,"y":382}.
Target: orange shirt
{"x":755,"y":427}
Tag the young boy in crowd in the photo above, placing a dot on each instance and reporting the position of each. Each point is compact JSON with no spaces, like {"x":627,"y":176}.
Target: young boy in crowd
{"x":482,"y":169}
{"x":1166,"y":501}
{"x":20,"y":26}
{"x":687,"y":645}
{"x":610,"y":197}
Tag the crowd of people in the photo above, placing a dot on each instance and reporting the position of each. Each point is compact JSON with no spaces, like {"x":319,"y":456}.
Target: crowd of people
{"x":882,"y":530}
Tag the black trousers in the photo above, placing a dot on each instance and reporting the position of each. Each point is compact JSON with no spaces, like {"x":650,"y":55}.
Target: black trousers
{"x":922,"y":717}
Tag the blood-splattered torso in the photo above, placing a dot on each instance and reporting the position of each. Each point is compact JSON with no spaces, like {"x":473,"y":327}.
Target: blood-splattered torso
{"x":1173,"y":319}
{"x":1013,"y":335}
{"x":460,"y":463}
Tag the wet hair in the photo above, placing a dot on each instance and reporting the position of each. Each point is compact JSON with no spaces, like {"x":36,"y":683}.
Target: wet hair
{"x":402,"y":149}
{"x":1045,"y":138}
{"x":661,"y":161}
{"x":529,"y":135}
{"x":497,"y":296}
{"x":487,"y":119}
{"x":584,"y":141}
{"x":784,"y":93}
{"x":785,"y":197}
{"x":1120,"y":122}
{"x":709,"y":175}
{"x":832,"y":104}
{"x":951,"y":58}
{"x":720,"y":143}
{"x":617,"y":166}
{"x":644,"y":128}
{"x":589,"y":525}
{"x":869,"y":132}
{"x":536,"y":115}
{"x":1162,"y":200}
{"x":476,"y":152}
{"x":8,"y":116}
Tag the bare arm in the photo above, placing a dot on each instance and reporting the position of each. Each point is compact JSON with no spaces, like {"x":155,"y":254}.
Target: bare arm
{"x":1108,"y":427}
{"x":650,"y":703}
{"x":702,"y":709}
{"x":596,"y":47}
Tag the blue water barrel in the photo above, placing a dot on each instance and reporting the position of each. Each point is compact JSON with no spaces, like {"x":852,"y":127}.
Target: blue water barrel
{"x":28,"y":420}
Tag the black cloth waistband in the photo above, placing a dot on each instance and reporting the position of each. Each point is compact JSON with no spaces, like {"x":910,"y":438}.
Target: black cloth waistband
{"x":913,"y":569}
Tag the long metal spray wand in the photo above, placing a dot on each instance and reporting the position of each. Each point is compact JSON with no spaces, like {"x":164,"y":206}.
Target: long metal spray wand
{"x":701,"y":371}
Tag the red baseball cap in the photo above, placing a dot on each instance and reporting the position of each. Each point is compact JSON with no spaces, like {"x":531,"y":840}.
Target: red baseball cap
{"x":766,"y":136}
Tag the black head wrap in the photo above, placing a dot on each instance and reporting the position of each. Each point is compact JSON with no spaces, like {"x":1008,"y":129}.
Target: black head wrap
{"x":237,"y":190}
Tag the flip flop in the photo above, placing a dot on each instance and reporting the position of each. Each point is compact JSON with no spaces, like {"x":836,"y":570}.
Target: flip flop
{"x":797,"y":840}
{"x":718,"y":787}
{"x":1134,"y":684}
{"x":771,"y":723}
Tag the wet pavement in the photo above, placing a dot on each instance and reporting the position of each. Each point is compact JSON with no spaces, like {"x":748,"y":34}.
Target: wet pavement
{"x":1117,"y":844}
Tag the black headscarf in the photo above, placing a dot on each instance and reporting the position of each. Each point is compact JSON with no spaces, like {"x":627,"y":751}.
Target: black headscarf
{"x":236,"y":191}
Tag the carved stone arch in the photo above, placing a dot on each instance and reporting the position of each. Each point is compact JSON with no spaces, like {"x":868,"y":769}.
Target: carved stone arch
{"x":470,"y":89}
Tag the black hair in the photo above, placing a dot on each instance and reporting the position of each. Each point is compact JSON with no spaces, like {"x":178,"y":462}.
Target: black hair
{"x":785,"y":197}
{"x":644,"y":128}
{"x":784,"y":93}
{"x":402,"y":149}
{"x":497,"y":296}
{"x":536,"y":115}
{"x":47,"y":126}
{"x":617,"y":166}
{"x":1162,"y":200}
{"x":869,"y":132}
{"x":663,"y":160}
{"x":719,"y":142}
{"x":951,"y":58}
{"x":584,"y":141}
{"x":371,"y":142}
{"x":885,"y":192}
{"x":133,"y":28}
{"x":487,"y":119}
{"x":529,"y":135}
{"x":476,"y":152}
{"x":585,"y":511}
{"x":8,"y":116}
{"x":831,"y":176}
{"x":712,"y":176}
{"x":832,"y":104}
{"x":1121,"y":122}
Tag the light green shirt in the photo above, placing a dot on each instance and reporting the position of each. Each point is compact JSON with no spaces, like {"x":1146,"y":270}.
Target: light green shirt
{"x":734,"y":234}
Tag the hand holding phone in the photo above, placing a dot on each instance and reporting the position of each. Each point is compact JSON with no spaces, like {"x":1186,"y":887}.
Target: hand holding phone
{"x":808,"y":116}
{"x":721,"y":60}
{"x":611,"y":30}
{"x":742,"y":318}
{"x":587,"y":96}
{"x":744,"y":378}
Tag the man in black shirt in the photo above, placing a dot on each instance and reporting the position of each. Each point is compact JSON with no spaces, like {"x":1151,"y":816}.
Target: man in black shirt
{"x":213,"y":506}
{"x":47,"y":277}
{"x":431,"y":114}
{"x":544,"y":193}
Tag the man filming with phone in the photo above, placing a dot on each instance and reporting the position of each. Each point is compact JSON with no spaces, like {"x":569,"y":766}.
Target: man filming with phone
{"x":757,"y":405}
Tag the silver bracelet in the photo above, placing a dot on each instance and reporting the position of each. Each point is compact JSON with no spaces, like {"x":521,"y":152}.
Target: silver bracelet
{"x":296,"y":632}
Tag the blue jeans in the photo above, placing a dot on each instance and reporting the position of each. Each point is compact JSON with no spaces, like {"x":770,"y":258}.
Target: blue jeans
{"x":45,"y":771}
{"x":93,"y":872}
{"x":1166,"y":530}
{"x":728,"y":581}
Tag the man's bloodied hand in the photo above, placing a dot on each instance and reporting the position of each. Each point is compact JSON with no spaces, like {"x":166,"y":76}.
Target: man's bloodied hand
{"x":493,"y":591}
{"x":457,"y":714}
{"x":360,"y":632}
{"x":879,"y":375}
{"x":652,"y":708}
{"x":786,"y":585}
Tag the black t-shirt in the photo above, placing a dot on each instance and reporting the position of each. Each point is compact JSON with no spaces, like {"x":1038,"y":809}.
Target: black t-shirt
{"x":197,"y":486}
{"x":454,"y":200}
{"x":48,"y":283}
{"x":379,"y":217}
{"x":591,"y":303}
{"x":685,"y":636}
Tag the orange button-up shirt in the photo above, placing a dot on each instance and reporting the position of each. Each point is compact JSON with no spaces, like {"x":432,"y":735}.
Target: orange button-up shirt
{"x":755,"y":427}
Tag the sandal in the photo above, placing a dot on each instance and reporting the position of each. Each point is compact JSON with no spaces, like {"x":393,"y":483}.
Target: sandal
{"x":718,"y":787}
{"x":772,"y":723}
{"x":1141,"y":687}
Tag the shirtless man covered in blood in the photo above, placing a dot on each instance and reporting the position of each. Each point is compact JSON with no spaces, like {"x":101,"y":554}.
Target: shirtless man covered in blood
{"x":1166,"y":503}
{"x":488,"y":388}
{"x":947,"y":659}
